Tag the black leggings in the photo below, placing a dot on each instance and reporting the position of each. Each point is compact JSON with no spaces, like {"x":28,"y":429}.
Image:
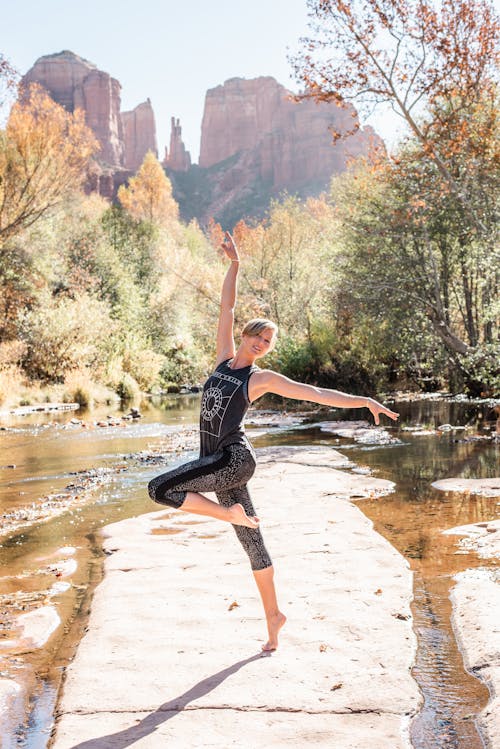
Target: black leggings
{"x":226,"y":473}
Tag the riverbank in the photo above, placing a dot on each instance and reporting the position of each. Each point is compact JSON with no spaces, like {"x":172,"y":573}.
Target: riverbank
{"x":175,"y":628}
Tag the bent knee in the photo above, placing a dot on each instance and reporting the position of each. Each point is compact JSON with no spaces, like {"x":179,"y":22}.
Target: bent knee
{"x":162,"y":496}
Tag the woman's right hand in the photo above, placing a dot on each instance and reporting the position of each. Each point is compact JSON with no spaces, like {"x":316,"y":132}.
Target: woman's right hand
{"x":229,"y":248}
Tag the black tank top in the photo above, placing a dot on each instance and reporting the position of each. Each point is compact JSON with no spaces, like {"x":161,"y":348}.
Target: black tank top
{"x":223,"y":407}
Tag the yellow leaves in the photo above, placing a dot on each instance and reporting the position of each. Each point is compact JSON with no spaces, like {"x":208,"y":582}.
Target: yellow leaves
{"x":44,"y":154}
{"x":148,"y":196}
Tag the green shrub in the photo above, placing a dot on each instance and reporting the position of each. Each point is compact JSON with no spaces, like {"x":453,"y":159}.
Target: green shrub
{"x":63,"y":334}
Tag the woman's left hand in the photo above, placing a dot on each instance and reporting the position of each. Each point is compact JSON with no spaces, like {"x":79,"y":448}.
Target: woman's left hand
{"x":377,"y":408}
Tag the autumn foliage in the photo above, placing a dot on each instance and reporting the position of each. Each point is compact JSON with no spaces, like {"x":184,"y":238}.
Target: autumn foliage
{"x":148,"y":196}
{"x":44,"y":154}
{"x":430,"y":62}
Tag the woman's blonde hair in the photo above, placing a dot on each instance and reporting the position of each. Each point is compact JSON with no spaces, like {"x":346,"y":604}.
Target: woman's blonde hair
{"x":254,"y":327}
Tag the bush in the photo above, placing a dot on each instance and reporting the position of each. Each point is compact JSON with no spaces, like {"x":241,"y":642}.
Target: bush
{"x":128,"y":389}
{"x":79,"y":388}
{"x":144,"y":365}
{"x":11,"y":353}
{"x":11,"y":380}
{"x":64,"y":334}
{"x":324,"y":361}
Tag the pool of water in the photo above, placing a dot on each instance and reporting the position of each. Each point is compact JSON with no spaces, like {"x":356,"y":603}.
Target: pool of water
{"x":48,"y":451}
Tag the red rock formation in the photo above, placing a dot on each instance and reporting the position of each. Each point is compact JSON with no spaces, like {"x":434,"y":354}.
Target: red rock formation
{"x":74,"y":82}
{"x":236,"y":116}
{"x":292,"y":141}
{"x":139,"y":134}
{"x":177,"y":158}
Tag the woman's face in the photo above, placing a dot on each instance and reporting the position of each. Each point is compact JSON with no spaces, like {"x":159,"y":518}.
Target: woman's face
{"x":261,"y":343}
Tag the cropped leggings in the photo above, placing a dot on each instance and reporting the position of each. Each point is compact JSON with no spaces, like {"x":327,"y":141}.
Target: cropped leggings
{"x":226,"y":473}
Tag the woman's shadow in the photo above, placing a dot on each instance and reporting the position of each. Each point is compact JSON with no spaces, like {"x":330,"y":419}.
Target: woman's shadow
{"x":165,"y":712}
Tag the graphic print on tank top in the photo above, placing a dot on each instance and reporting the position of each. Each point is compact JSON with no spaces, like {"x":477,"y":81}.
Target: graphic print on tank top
{"x":216,"y":400}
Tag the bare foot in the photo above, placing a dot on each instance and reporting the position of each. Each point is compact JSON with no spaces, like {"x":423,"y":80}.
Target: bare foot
{"x":274,"y":625}
{"x":238,"y":516}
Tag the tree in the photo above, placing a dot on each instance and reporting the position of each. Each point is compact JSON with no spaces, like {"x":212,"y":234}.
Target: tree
{"x":44,"y":154}
{"x":430,"y":64}
{"x":8,"y":79}
{"x":148,"y":196}
{"x":431,"y":225}
{"x":286,"y":275}
{"x":413,"y":271}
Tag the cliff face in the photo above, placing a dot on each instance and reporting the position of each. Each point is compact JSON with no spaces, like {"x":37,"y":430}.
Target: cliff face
{"x":75,"y":83}
{"x":256,"y":142}
{"x":291,"y":141}
{"x":139,"y":134}
{"x":237,"y":115}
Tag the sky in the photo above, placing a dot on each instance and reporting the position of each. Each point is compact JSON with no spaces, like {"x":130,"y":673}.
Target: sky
{"x":170,"y":51}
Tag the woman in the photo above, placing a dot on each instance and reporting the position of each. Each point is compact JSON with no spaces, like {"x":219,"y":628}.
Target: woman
{"x":227,"y":460}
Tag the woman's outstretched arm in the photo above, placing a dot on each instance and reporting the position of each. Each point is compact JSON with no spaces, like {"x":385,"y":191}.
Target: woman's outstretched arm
{"x":225,"y":337}
{"x":267,"y":381}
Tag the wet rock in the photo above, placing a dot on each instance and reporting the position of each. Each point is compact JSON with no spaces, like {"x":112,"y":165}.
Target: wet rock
{"x":64,"y":568}
{"x":35,"y":629}
{"x":484,"y":487}
{"x":483,"y":538}
{"x":360,"y":431}
{"x":172,"y":389}
{"x":11,"y":700}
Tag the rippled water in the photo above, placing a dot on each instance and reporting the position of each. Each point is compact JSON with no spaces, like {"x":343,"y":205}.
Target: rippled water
{"x":47,"y":457}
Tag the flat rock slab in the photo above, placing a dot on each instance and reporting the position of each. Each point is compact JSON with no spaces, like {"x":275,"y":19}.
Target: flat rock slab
{"x":172,"y":653}
{"x":483,"y":538}
{"x":476,"y":622}
{"x":485,"y":487}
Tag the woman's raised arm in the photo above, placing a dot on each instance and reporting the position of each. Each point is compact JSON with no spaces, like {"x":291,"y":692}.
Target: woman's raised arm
{"x":267,"y":381}
{"x":225,"y":336}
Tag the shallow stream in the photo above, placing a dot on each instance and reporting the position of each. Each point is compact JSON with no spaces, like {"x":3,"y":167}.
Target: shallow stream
{"x":101,"y":473}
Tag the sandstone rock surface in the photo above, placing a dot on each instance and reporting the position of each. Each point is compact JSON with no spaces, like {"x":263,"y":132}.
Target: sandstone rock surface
{"x":75,"y":83}
{"x":176,"y":627}
{"x":476,"y":622}
{"x":292,"y":140}
{"x":139,"y":135}
{"x":176,"y":157}
{"x":485,"y":487}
